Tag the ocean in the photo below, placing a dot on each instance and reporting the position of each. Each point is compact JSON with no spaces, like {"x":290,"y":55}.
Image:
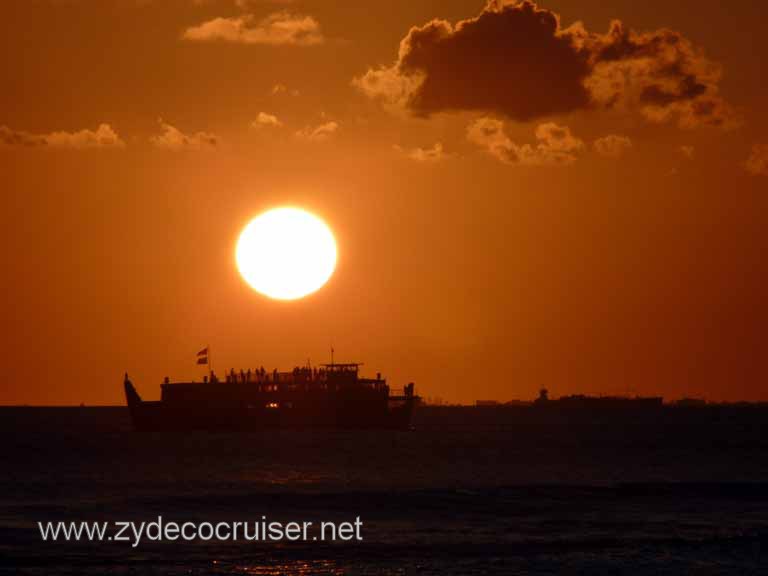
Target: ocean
{"x":467,"y":491}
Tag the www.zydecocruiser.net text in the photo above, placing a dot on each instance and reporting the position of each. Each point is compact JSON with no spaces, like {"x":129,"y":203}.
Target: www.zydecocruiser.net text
{"x":160,"y":530}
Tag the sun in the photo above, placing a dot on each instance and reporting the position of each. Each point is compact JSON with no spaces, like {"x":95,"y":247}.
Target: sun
{"x":286,"y":253}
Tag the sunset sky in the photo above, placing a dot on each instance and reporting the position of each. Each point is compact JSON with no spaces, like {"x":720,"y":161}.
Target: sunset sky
{"x":572,"y":195}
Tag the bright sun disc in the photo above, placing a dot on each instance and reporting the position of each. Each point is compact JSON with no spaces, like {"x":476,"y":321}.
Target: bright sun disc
{"x":286,"y":253}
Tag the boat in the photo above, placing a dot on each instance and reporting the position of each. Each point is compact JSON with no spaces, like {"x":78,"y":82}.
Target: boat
{"x":329,"y":396}
{"x":583,"y":403}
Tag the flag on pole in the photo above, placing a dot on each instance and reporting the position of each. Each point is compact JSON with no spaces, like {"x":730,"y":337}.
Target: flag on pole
{"x":202,"y":360}
{"x":203,"y":352}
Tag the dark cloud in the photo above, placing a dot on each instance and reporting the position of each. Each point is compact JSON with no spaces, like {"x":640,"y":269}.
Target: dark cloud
{"x":660,"y":73}
{"x":517,"y":60}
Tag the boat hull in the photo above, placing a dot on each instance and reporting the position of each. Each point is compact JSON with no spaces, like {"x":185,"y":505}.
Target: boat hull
{"x":339,"y":409}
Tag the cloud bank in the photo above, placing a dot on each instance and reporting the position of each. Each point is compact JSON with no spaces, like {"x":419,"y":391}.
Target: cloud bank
{"x":103,"y":137}
{"x":515,"y":59}
{"x":277,"y":29}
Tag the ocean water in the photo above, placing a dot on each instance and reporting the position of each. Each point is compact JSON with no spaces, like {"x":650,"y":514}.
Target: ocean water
{"x":464,"y":492}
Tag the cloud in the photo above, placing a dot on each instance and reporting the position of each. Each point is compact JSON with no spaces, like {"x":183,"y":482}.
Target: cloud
{"x":660,"y":73}
{"x":516,"y":59}
{"x":612,"y":145}
{"x":103,"y":137}
{"x":757,"y":163}
{"x":264,"y":119}
{"x":250,"y":4}
{"x":434,"y":154}
{"x":318,"y":133}
{"x":555,"y":144}
{"x":687,"y":152}
{"x":277,"y":29}
{"x":172,"y":138}
{"x":283,"y":89}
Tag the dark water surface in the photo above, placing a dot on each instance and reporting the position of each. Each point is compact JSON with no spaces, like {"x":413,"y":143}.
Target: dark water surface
{"x":466,"y":492}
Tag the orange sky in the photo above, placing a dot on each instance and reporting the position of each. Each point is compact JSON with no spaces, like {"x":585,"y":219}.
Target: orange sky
{"x":518,"y":203}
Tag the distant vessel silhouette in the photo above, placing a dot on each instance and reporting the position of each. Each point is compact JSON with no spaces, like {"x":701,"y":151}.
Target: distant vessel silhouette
{"x":583,"y":402}
{"x":331,"y":396}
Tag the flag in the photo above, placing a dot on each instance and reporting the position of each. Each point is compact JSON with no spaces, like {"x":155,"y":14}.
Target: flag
{"x":203,"y":352}
{"x":202,"y":360}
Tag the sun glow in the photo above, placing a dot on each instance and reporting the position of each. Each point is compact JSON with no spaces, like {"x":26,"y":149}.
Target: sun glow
{"x":286,"y":253}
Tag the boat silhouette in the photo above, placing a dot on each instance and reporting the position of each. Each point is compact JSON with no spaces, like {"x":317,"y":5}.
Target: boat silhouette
{"x":331,"y":396}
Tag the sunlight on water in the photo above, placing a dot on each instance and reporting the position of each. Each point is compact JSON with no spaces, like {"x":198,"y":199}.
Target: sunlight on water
{"x":300,"y":568}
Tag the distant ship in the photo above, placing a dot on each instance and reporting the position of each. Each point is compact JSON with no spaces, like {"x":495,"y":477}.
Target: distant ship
{"x":331,"y":396}
{"x":614,"y":403}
